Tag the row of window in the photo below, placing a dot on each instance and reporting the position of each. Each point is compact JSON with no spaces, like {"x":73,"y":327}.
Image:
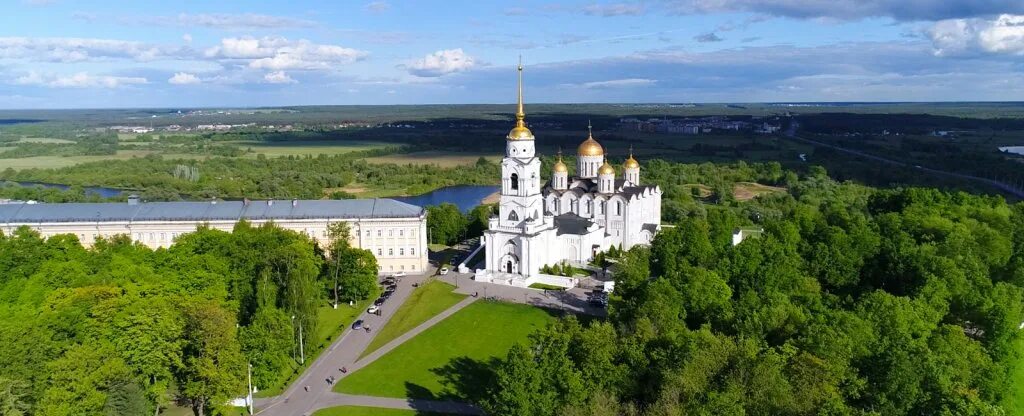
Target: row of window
{"x":556,"y":204}
{"x":401,"y":267}
{"x":391,"y":232}
{"x":391,"y":251}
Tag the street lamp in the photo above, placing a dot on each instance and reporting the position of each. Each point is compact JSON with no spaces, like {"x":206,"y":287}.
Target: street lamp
{"x":249,"y":396}
{"x":302,"y":353}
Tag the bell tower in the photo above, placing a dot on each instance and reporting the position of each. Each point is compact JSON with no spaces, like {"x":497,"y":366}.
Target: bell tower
{"x":521,"y":199}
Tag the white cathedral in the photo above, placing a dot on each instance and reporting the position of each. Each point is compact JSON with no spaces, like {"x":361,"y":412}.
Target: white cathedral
{"x":571,"y":218}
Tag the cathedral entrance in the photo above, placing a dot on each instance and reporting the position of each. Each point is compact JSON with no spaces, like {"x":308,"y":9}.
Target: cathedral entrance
{"x":509,"y":264}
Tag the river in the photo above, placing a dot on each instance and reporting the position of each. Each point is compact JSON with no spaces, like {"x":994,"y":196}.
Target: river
{"x":466,"y":197}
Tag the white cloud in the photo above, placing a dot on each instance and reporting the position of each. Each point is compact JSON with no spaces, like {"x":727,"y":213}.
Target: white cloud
{"x":278,"y":77}
{"x":620,"y":83}
{"x":183,"y":78}
{"x":276,"y":53}
{"x":852,"y":9}
{"x":78,"y":80}
{"x":967,"y":37}
{"x":81,"y":49}
{"x":220,"y":21}
{"x":187,"y":38}
{"x":377,"y":6}
{"x":441,"y":63}
{"x":614,"y":9}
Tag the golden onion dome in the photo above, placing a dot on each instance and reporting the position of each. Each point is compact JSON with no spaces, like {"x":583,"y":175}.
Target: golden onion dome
{"x":560,"y":167}
{"x":606,"y":169}
{"x":520,"y":133}
{"x":631,"y":163}
{"x":590,"y":147}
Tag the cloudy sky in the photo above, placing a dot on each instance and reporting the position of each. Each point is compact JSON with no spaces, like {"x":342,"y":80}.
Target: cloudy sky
{"x":86,"y":54}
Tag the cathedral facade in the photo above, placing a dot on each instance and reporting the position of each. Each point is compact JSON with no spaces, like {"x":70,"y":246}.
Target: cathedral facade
{"x":570,"y":218}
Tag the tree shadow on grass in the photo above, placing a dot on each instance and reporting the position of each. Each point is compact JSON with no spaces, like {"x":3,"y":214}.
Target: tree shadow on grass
{"x":463,"y":379}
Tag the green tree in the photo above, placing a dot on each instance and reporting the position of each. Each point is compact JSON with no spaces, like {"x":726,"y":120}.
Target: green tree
{"x":214,"y":368}
{"x":13,"y":394}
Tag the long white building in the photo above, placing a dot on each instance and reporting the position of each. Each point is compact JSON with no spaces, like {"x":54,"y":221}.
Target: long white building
{"x":571,"y":218}
{"x":395,"y":232}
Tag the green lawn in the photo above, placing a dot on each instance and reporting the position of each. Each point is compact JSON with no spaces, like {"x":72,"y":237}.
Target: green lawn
{"x":426,"y":301}
{"x":1014,"y":402}
{"x":366,"y":411}
{"x":545,"y":286}
{"x":447,"y":361}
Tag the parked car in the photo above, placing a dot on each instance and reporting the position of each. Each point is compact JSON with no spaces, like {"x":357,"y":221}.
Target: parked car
{"x":373,"y":309}
{"x":388,"y":281}
{"x":391,"y":288}
{"x":386,"y":295}
{"x":399,"y":274}
{"x":379,"y":301}
{"x":357,"y":325}
{"x":444,"y":270}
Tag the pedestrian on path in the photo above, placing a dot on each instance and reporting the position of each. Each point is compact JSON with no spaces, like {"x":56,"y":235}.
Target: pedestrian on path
{"x":307,"y":389}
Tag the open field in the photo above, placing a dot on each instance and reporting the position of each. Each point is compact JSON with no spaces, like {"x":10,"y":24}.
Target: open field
{"x":51,"y":162}
{"x":428,"y":300}
{"x":303,"y":148}
{"x":443,"y":159}
{"x":49,"y":140}
{"x":1014,"y":401}
{"x":745,"y":191}
{"x":457,"y":348}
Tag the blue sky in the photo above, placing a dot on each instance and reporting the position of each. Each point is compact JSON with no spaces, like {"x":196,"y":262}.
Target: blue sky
{"x":92,"y":54}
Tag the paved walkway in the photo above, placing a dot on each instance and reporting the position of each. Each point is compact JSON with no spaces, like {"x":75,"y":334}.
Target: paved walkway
{"x":344,"y":352}
{"x":573,"y":300}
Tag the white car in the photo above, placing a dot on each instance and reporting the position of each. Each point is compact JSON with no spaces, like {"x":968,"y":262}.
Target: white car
{"x":399,"y":274}
{"x":373,"y":309}
{"x":444,"y":270}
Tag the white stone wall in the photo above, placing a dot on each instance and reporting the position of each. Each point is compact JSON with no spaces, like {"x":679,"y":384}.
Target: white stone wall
{"x":399,"y":244}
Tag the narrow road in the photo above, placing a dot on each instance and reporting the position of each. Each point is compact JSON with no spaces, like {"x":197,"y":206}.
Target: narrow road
{"x":996,"y":184}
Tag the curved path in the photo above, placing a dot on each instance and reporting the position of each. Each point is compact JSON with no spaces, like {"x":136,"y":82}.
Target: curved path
{"x":344,"y":352}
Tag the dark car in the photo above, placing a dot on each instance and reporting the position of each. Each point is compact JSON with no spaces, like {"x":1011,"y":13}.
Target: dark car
{"x":357,"y":324}
{"x":379,"y":301}
{"x":388,"y":282}
{"x":386,"y":295}
{"x":391,"y":288}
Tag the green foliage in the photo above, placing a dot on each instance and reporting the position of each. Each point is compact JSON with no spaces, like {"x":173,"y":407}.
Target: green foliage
{"x":445,"y":223}
{"x":122,"y":329}
{"x":903,"y":301}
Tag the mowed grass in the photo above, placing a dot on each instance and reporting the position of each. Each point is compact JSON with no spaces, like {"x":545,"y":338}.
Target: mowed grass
{"x":480,"y":332}
{"x":49,"y":140}
{"x":443,"y":159}
{"x":303,"y":148}
{"x":1014,"y":401}
{"x":425,"y":302}
{"x":367,"y":411}
{"x":50,"y":162}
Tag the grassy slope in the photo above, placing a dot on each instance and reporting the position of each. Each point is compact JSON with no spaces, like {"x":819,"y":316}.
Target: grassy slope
{"x":1014,"y":402}
{"x":480,"y":332}
{"x":427,"y":301}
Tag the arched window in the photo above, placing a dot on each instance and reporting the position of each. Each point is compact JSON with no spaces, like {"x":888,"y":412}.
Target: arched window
{"x":512,"y":216}
{"x":602,"y":207}
{"x":515,"y":181}
{"x":618,"y":208}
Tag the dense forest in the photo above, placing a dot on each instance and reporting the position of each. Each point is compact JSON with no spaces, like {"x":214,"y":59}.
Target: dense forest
{"x":119,"y":329}
{"x":853,"y":301}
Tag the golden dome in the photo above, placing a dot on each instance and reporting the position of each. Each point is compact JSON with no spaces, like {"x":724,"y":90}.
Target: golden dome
{"x":520,"y":133}
{"x":590,"y":147}
{"x":560,"y":167}
{"x":606,"y":169}
{"x":631,"y":163}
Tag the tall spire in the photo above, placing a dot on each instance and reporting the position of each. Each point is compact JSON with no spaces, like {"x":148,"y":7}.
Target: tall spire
{"x":590,"y":129}
{"x":520,"y":114}
{"x":520,"y":132}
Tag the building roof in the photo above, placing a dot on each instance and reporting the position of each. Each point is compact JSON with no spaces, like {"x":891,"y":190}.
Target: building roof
{"x":570,"y":223}
{"x":21,"y":213}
